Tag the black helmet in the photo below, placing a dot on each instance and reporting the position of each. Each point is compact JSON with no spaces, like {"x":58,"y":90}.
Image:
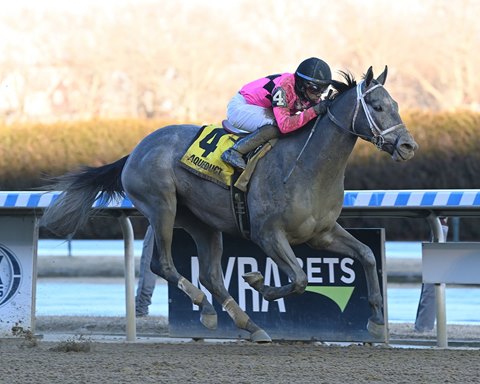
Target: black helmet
{"x":314,"y":70}
{"x":312,"y":74}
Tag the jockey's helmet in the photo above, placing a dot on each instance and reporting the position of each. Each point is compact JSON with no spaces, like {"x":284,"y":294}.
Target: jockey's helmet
{"x":312,"y":78}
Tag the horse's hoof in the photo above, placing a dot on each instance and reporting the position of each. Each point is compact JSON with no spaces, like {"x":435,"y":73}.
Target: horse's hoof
{"x":254,"y":279}
{"x":209,"y":321}
{"x":376,"y":330}
{"x":260,"y":336}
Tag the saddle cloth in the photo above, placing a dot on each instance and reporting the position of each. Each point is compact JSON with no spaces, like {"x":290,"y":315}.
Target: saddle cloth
{"x":203,"y":156}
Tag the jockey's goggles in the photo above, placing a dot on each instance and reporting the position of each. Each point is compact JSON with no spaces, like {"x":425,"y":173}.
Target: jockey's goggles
{"x":315,"y":89}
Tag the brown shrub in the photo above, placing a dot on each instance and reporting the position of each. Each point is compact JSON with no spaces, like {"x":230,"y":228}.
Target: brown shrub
{"x":448,"y":158}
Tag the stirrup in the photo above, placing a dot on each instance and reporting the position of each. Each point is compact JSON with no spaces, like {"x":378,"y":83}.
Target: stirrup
{"x":234,"y":158}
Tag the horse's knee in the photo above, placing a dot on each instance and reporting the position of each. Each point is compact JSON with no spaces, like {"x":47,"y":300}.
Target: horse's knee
{"x":300,"y":284}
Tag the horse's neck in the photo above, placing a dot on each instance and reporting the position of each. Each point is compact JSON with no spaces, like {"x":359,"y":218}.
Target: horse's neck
{"x":328,"y":150}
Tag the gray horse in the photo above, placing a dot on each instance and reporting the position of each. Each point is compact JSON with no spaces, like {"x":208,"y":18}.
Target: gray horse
{"x":292,"y":199}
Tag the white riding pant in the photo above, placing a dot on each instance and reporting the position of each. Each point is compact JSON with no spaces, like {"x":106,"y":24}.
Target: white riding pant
{"x":248,"y":117}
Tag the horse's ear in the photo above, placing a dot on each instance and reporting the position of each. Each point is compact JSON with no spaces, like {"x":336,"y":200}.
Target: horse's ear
{"x":369,"y":77}
{"x":383,"y":76}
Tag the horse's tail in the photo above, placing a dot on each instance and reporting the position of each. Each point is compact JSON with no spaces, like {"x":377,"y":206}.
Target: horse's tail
{"x":79,"y":191}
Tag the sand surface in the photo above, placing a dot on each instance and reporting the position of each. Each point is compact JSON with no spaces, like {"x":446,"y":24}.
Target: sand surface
{"x":93,"y":350}
{"x":242,"y":362}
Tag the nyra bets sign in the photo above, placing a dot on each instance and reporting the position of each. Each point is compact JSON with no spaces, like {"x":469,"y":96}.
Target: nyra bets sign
{"x":333,"y":308}
{"x":17,"y":260}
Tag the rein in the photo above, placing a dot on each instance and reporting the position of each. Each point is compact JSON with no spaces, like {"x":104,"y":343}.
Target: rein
{"x":378,"y":134}
{"x":301,"y":152}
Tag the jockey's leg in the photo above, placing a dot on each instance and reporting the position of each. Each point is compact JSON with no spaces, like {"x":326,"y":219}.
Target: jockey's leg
{"x":234,"y":155}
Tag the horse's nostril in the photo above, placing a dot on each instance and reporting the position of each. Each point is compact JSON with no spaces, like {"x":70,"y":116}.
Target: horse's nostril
{"x":408,"y":147}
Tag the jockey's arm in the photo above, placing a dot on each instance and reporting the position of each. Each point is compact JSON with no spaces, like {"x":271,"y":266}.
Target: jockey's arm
{"x":288,"y":123}
{"x":285,"y":120}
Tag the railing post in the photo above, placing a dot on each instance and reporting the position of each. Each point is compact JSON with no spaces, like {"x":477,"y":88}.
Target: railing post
{"x":456,"y":228}
{"x":438,"y":236}
{"x":128,"y":239}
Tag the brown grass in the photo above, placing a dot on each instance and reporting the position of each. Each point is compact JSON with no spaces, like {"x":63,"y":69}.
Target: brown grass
{"x":448,"y":156}
{"x":29,"y":152}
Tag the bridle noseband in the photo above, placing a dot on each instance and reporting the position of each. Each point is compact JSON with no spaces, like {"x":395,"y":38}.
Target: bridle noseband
{"x":378,"y":135}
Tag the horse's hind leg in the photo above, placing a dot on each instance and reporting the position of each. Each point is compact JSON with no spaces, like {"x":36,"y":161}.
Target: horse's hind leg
{"x":208,"y":315}
{"x":162,"y":220}
{"x":210,"y":250}
{"x":344,"y":243}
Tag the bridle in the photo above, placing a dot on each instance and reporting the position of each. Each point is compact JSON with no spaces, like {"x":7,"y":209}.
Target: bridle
{"x":378,"y":135}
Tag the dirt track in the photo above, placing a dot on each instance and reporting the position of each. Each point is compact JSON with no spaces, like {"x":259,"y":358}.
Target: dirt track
{"x":242,"y":362}
{"x":93,"y":350}
{"x":79,"y":350}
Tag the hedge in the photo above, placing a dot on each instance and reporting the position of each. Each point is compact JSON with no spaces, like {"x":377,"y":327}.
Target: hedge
{"x":448,"y":157}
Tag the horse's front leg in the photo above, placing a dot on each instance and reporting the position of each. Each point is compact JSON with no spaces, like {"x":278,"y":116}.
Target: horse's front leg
{"x":276,"y":246}
{"x":340,"y":241}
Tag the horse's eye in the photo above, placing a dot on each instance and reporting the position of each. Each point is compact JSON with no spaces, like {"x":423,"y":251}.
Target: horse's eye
{"x":378,"y":108}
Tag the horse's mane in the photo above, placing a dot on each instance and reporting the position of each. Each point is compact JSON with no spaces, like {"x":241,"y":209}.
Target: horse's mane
{"x":341,"y":87}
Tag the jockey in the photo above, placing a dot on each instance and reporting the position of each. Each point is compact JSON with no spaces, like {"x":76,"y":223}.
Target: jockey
{"x":277,"y":104}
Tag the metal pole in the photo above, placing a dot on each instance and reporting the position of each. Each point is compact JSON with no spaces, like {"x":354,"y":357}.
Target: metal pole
{"x":128,"y":238}
{"x":442,"y":340}
{"x":439,"y":237}
{"x":456,"y":228}
{"x":69,"y":245}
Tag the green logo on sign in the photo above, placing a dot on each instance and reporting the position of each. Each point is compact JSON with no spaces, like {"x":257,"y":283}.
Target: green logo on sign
{"x":339,"y":295}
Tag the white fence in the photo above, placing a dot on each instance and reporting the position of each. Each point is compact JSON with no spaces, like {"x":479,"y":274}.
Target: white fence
{"x":18,"y":256}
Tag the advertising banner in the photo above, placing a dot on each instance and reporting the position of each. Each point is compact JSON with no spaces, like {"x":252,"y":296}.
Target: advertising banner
{"x":334,"y":307}
{"x":17,"y":274}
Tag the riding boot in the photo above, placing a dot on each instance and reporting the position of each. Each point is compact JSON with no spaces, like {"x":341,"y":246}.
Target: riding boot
{"x":234,"y":155}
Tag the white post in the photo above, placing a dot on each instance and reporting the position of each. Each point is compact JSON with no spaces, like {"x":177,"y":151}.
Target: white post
{"x":18,"y":273}
{"x":441,"y":312}
{"x":129,"y":276}
{"x":442,"y":340}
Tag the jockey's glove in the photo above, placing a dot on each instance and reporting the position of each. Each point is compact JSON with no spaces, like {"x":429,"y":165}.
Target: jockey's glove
{"x":321,"y":107}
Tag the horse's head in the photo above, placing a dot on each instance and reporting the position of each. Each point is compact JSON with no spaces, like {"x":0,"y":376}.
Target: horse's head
{"x":376,"y":117}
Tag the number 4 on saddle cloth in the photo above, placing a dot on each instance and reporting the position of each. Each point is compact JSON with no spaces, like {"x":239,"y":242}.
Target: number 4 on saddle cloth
{"x":202,"y":158}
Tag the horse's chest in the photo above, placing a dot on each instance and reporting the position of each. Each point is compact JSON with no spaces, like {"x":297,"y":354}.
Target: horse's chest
{"x":311,"y":226}
{"x":322,"y":211}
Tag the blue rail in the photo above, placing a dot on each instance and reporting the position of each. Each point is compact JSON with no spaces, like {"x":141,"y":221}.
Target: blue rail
{"x":442,"y":198}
